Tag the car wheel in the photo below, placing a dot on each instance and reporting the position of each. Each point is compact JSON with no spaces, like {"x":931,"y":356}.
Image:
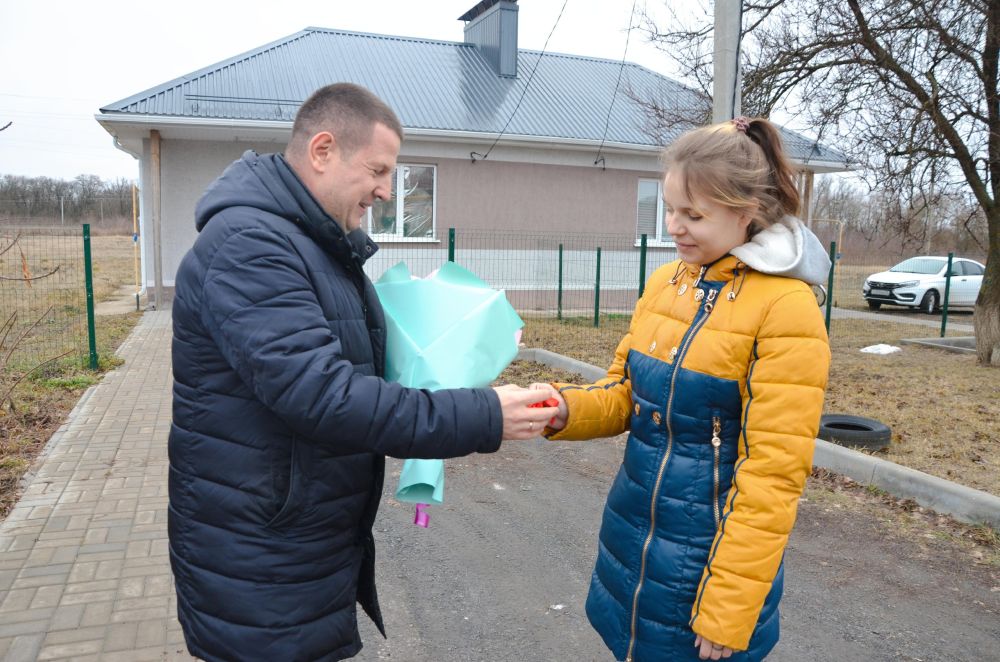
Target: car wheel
{"x":874,"y":305}
{"x":855,"y":431}
{"x":929,"y":304}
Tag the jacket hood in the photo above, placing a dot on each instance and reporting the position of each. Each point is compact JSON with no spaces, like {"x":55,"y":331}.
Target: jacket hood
{"x":268,"y":183}
{"x":787,"y":248}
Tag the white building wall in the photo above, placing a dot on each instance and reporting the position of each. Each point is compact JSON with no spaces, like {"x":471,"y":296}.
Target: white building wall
{"x":187,"y":167}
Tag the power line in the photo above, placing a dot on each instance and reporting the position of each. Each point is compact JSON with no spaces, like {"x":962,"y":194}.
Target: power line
{"x":621,"y":69}
{"x":472,"y":155}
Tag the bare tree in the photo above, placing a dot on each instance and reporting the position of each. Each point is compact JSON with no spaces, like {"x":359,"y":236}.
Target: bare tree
{"x":907,"y":88}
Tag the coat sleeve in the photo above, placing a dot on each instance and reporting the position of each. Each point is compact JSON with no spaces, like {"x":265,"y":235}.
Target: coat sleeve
{"x":602,"y":409}
{"x":260,"y":307}
{"x":781,"y":411}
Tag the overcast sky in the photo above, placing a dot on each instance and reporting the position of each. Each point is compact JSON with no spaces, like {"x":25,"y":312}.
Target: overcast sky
{"x":61,"y":60}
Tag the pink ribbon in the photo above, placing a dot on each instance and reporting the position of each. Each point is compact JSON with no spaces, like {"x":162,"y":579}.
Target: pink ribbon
{"x":421,"y":518}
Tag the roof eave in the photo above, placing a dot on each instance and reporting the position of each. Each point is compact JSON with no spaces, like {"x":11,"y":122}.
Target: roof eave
{"x":129,"y":130}
{"x":185,"y":127}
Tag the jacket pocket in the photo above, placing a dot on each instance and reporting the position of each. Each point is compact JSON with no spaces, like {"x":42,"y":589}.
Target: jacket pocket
{"x":289,"y":508}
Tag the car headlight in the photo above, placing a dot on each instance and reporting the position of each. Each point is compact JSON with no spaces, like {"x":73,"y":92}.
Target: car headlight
{"x":909,"y":283}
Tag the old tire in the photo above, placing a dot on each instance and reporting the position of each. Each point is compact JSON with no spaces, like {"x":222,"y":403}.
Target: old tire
{"x":854,"y":431}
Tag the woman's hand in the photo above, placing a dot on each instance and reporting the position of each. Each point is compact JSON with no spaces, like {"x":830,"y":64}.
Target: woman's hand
{"x":558,"y":421}
{"x":521,"y":420}
{"x":708,"y":650}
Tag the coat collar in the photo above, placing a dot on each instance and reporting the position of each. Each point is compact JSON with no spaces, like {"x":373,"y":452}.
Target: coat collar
{"x":724,"y":269}
{"x":355,"y":246}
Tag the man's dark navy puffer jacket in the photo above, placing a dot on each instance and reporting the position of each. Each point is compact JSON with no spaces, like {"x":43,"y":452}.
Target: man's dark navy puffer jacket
{"x":281,"y":424}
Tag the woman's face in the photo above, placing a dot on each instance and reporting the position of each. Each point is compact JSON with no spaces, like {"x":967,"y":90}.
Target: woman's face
{"x":703,"y":230}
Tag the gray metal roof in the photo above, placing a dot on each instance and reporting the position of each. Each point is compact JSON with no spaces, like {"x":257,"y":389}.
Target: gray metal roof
{"x":431,"y":84}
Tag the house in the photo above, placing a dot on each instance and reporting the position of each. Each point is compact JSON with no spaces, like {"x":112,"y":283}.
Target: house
{"x":498,"y":139}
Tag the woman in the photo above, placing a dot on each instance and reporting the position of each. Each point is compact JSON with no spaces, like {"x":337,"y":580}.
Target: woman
{"x":720,"y":379}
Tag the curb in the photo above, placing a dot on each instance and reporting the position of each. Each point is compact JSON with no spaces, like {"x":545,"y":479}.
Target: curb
{"x":943,"y":496}
{"x":956,"y":344}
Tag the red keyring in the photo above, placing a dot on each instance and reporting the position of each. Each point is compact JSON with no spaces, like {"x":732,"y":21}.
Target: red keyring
{"x":551,"y":402}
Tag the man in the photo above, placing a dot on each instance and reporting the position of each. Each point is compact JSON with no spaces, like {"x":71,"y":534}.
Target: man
{"x":281,"y":421}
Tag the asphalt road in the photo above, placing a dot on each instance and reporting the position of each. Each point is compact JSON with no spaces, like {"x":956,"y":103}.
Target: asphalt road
{"x":502,"y":573}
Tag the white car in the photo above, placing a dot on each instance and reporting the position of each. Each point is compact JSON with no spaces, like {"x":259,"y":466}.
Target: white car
{"x":919,"y":282}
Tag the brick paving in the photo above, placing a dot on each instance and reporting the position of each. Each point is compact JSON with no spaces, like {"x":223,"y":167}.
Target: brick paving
{"x":84,"y":570}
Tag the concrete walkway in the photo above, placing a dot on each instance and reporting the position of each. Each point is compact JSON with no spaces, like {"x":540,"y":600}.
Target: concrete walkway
{"x":84,"y":572}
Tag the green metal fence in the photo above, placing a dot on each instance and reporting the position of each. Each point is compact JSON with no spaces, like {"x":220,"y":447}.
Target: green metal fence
{"x":45,"y":296}
{"x":579,"y":277}
{"x":595,"y":280}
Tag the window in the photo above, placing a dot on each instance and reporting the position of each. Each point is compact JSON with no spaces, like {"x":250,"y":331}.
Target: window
{"x":649,"y":214}
{"x":409,"y":213}
{"x":972,"y":269}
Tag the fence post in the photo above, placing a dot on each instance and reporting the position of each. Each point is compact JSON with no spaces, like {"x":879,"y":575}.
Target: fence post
{"x":451,"y":244}
{"x":947,"y":292}
{"x":89,"y":280}
{"x":829,"y":284}
{"x":642,"y":264}
{"x":62,"y":212}
{"x":597,"y":291}
{"x":559,"y":298}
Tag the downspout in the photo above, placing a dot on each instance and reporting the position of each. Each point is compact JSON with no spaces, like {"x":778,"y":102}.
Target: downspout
{"x":135,"y":245}
{"x":807,"y":200}
{"x":139,"y":230}
{"x":154,"y":149}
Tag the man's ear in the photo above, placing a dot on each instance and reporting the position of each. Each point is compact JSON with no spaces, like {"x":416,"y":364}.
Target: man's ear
{"x":322,"y":150}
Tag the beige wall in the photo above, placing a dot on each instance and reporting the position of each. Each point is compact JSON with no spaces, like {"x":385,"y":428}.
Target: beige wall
{"x":540,"y":198}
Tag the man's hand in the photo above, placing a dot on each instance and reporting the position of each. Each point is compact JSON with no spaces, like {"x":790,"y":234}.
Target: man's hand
{"x":708,"y":650}
{"x":520,"y":421}
{"x":558,"y":421}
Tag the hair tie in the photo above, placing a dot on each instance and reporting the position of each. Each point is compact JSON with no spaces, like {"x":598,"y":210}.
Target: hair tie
{"x":741,"y":123}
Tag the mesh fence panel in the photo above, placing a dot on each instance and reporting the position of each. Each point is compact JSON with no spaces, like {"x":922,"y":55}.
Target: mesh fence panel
{"x":537,"y":282}
{"x":547,"y":275}
{"x":42,"y":295}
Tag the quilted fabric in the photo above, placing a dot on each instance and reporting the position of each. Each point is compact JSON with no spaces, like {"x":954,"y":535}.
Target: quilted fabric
{"x":692,"y":538}
{"x":281,"y":424}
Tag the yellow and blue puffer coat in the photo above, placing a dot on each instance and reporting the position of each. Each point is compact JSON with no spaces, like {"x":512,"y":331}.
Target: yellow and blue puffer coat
{"x":721,"y":380}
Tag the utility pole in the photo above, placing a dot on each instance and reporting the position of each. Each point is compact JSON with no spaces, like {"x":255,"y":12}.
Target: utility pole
{"x":927,"y":216}
{"x":726,"y":60}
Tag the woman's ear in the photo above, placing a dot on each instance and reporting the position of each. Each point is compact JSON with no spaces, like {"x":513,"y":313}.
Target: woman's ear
{"x":747,"y":215}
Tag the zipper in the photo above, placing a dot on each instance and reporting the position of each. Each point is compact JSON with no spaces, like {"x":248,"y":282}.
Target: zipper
{"x":716,"y":443}
{"x":685,"y":344}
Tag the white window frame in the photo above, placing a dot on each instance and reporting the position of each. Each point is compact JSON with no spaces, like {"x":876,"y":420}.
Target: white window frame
{"x":385,"y":237}
{"x":662,"y":239}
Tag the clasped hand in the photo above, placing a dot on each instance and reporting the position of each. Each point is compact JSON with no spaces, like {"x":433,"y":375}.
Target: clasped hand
{"x":522,"y":420}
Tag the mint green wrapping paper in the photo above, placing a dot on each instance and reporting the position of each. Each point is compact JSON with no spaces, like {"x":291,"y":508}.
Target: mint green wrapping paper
{"x":449,"y":330}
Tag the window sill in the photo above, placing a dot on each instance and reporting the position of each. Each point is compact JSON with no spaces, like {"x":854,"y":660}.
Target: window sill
{"x":656,"y":244}
{"x":393,"y":239}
